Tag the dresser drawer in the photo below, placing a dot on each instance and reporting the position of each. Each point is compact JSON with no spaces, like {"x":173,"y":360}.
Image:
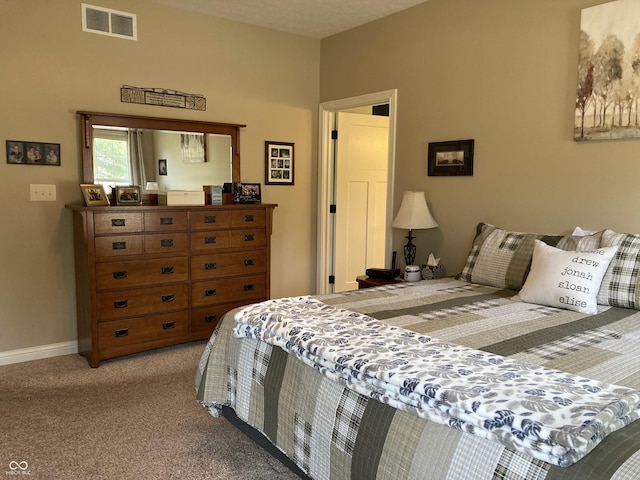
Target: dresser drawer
{"x":208,"y":219}
{"x":165,"y":221}
{"x":226,"y":264}
{"x":168,"y":242}
{"x":139,"y":301}
{"x":248,"y":238}
{"x":113,"y":275}
{"x":117,"y":222}
{"x":119,"y":334}
{"x":210,"y":241}
{"x":228,"y":290}
{"x":205,"y":319}
{"x":248,"y":217}
{"x":119,"y":245}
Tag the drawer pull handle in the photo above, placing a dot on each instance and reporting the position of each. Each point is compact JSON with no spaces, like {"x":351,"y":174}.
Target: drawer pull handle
{"x":120,"y":304}
{"x":120,"y":275}
{"x":209,"y":240}
{"x":122,"y":332}
{"x":168,"y":325}
{"x":249,"y":262}
{"x":249,"y":287}
{"x":210,"y":266}
{"x":166,"y":242}
{"x":167,"y":270}
{"x":166,"y":221}
{"x":210,"y":219}
{"x":210,"y":292}
{"x":210,"y":318}
{"x":249,"y":218}
{"x":119,"y":246}
{"x":249,"y":237}
{"x":118,"y":222}
{"x":168,"y":298}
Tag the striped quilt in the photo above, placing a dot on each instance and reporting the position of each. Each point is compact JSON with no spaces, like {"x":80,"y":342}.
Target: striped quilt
{"x":333,"y":432}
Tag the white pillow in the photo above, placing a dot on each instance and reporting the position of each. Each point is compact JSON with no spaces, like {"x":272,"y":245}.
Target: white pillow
{"x":566,"y":279}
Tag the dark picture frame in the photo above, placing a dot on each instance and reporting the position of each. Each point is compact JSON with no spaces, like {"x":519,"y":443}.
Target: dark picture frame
{"x":94,"y":194}
{"x":20,"y":152}
{"x":246,"y":193}
{"x":452,"y":158}
{"x":130,"y":195}
{"x":162,"y":166}
{"x":279,"y":163}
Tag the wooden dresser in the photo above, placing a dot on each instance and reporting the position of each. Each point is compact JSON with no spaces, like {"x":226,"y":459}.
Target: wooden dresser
{"x":153,"y":276}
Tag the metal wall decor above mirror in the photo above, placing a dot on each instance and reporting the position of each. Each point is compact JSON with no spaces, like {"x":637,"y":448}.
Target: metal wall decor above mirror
{"x":158,"y":153}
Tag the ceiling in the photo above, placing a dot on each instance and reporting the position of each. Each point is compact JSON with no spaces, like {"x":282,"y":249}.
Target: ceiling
{"x":310,"y":18}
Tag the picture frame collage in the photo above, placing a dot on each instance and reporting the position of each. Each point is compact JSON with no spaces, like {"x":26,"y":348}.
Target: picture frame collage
{"x":21,"y":152}
{"x":279,"y":163}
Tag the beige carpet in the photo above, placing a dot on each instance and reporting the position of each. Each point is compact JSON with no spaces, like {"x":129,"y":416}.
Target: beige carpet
{"x":132,"y":418}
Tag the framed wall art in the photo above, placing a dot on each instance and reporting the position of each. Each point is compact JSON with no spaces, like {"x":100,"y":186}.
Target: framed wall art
{"x":194,"y":147}
{"x":94,"y":194}
{"x":33,"y":153}
{"x":453,"y":158}
{"x":278,"y":163}
{"x":607,"y":85}
{"x":162,"y":166}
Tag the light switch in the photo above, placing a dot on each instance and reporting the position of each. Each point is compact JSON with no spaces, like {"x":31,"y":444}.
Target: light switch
{"x":42,"y":193}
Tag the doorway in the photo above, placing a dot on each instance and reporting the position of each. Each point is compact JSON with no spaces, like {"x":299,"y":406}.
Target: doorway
{"x":355,"y":205}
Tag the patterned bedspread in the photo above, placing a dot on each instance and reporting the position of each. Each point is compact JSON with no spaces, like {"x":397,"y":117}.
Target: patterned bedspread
{"x":332,"y":431}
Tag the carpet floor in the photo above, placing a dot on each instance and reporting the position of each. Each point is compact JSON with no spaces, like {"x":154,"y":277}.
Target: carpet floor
{"x":134,"y":417}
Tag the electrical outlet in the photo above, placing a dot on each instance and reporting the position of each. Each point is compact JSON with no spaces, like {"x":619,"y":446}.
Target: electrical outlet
{"x":42,"y":193}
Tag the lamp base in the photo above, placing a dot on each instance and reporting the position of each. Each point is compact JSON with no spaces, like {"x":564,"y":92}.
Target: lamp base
{"x":409,"y":250}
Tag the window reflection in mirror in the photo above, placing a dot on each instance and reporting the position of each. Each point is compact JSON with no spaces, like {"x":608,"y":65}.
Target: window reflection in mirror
{"x":131,"y":156}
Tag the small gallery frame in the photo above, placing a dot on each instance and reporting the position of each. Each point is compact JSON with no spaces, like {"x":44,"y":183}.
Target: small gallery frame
{"x":128,"y":195}
{"x":453,"y":158}
{"x":94,"y":194}
{"x":279,"y":163}
{"x":33,"y":153}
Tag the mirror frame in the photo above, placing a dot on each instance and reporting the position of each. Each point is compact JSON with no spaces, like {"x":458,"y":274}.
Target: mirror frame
{"x":90,"y":119}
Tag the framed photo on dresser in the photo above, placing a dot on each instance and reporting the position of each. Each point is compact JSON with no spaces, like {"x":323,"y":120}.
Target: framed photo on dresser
{"x":94,"y":194}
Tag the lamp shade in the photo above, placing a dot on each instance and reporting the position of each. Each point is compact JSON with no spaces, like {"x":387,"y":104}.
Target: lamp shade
{"x":414,"y":213}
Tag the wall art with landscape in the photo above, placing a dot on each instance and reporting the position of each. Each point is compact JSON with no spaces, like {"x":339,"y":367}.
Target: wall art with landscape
{"x":608,"y":92}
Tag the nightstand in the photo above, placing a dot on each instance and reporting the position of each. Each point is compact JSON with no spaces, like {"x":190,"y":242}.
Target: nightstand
{"x":368,"y":282}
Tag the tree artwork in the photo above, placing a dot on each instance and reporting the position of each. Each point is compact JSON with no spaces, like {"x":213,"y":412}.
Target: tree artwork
{"x":608,"y":84}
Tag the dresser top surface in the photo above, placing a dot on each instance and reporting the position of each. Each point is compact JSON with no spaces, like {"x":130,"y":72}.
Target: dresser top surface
{"x":151,"y":208}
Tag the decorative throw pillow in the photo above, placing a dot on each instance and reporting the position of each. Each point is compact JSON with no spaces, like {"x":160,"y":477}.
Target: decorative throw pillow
{"x":621,"y":284}
{"x":566,"y":279}
{"x":502,"y":259}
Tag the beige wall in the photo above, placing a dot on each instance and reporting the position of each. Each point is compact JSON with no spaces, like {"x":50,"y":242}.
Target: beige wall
{"x":262,"y":78}
{"x":502,"y":72}
{"x":499,"y":71}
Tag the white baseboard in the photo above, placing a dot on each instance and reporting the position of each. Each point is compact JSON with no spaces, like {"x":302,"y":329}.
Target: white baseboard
{"x":37,"y":353}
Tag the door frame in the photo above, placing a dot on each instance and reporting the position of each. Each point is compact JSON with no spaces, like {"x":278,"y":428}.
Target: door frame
{"x":326,"y":123}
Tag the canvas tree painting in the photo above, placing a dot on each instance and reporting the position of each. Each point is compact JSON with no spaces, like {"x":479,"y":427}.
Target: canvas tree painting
{"x":608,"y":90}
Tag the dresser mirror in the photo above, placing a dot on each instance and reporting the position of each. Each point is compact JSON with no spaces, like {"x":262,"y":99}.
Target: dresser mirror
{"x":158,"y":153}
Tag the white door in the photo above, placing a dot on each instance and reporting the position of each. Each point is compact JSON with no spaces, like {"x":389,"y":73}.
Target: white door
{"x":361,"y":196}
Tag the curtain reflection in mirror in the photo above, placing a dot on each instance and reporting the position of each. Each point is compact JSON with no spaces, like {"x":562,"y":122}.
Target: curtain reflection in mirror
{"x":136,"y":157}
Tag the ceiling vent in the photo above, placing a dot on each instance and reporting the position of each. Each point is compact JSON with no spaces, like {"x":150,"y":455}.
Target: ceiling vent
{"x":106,"y":21}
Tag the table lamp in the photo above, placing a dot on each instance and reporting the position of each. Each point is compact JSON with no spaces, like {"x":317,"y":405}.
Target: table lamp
{"x":413,"y":214}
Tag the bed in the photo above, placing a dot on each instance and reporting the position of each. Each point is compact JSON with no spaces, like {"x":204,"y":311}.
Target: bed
{"x":504,"y":309}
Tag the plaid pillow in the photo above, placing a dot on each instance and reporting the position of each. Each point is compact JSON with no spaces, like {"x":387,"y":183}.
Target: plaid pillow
{"x":502,"y":259}
{"x":619,"y":287}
